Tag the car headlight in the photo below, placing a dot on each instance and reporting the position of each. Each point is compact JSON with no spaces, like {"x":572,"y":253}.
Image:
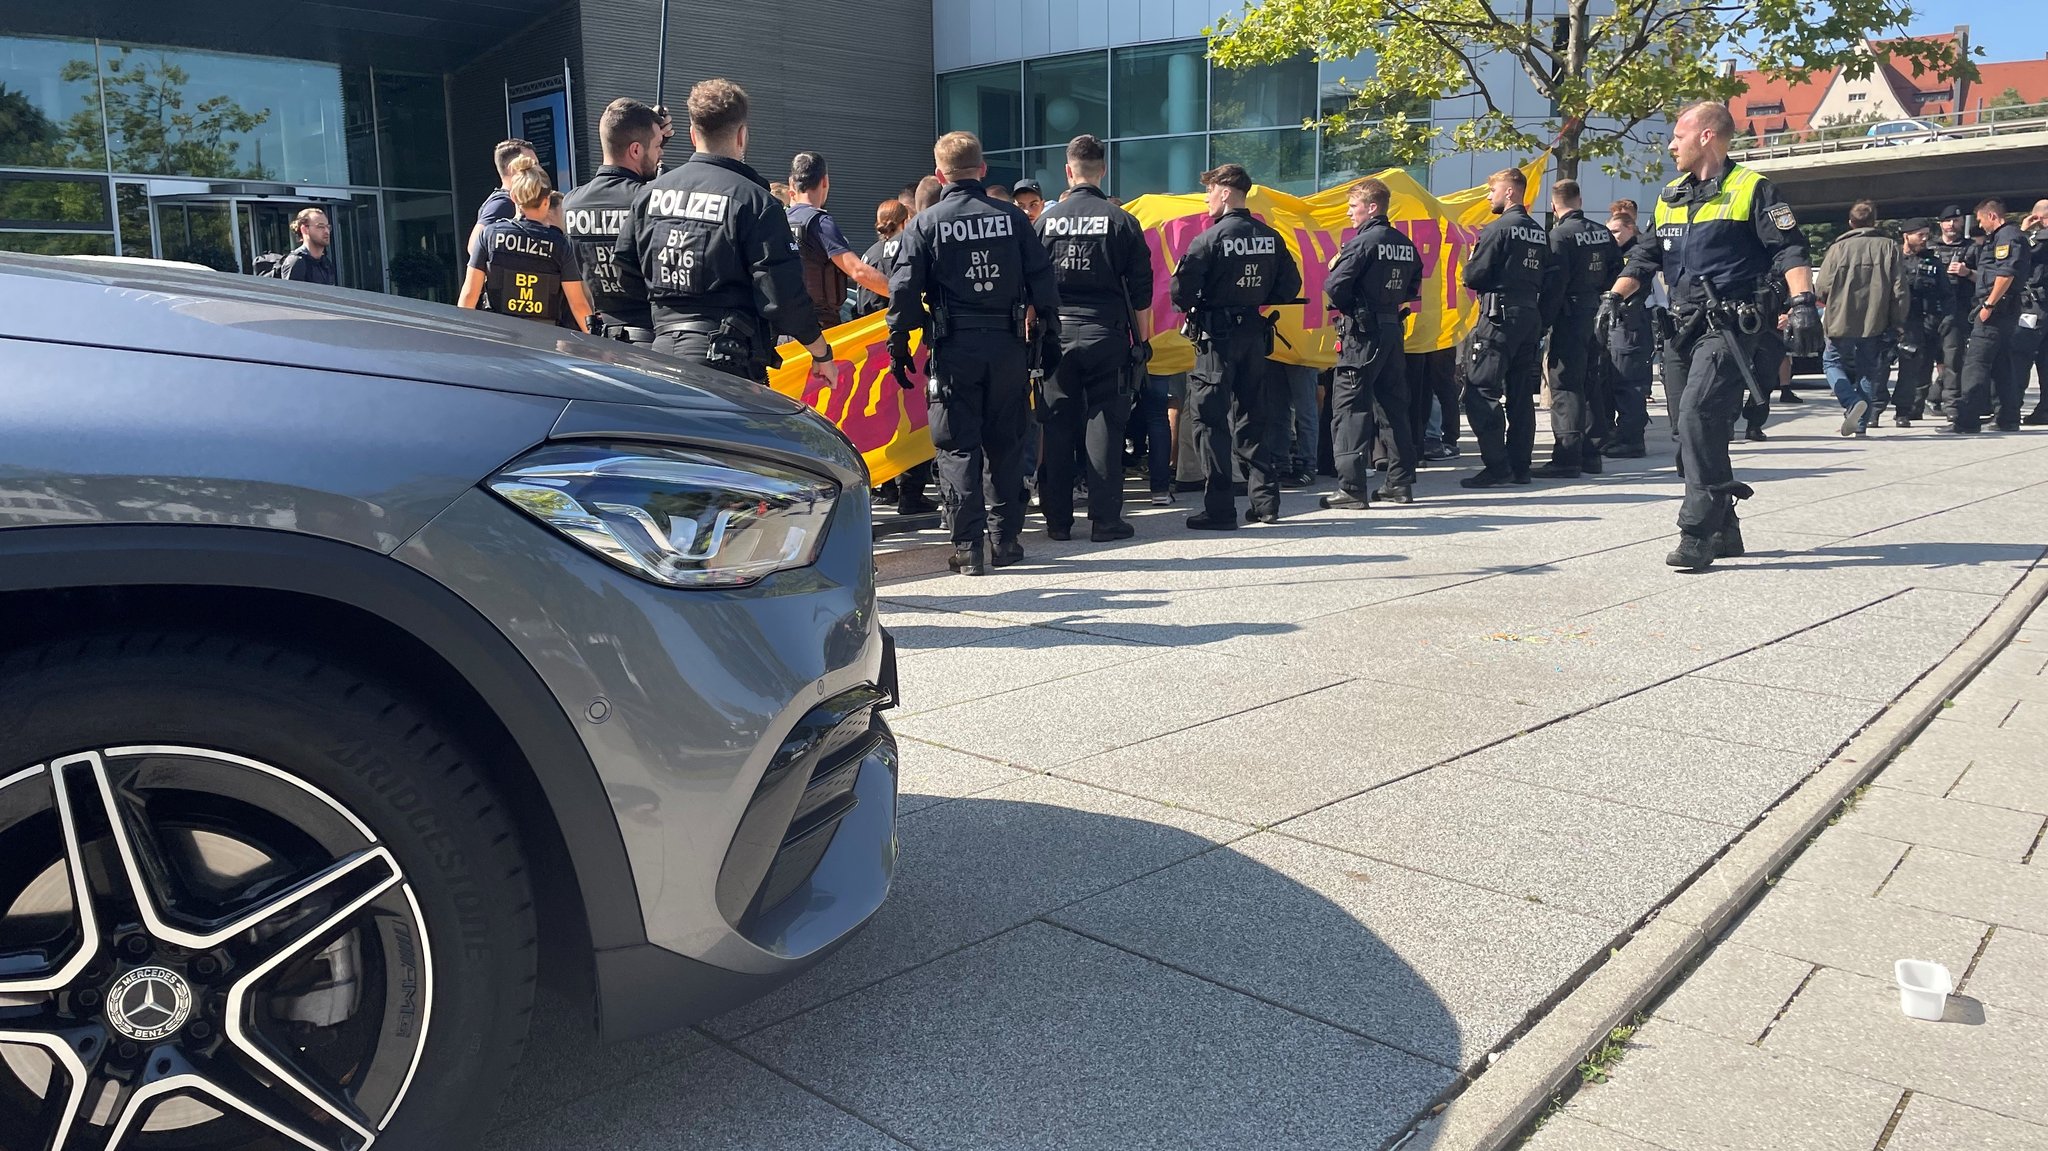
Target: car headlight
{"x":676,"y":516}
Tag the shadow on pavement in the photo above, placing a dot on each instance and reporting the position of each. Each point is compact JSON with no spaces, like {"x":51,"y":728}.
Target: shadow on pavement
{"x":1928,"y":555}
{"x":1045,"y":976}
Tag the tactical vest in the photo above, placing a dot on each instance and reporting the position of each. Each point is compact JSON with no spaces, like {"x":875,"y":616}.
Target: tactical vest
{"x":823,"y":280}
{"x":1714,"y":240}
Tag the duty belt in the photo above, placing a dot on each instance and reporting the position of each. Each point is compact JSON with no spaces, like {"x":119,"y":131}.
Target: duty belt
{"x":981,"y":322}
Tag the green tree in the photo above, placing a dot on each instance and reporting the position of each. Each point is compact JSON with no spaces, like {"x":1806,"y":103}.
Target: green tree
{"x":2006,"y":106}
{"x":1607,"y":77}
{"x":153,"y":131}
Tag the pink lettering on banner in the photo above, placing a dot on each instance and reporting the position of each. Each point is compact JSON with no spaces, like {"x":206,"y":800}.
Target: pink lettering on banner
{"x":1171,"y":238}
{"x":1318,"y":251}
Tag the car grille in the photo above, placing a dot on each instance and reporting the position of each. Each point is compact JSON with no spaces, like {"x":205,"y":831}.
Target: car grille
{"x":806,"y":792}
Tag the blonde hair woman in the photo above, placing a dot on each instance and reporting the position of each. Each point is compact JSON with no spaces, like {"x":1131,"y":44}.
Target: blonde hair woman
{"x":528,"y":263}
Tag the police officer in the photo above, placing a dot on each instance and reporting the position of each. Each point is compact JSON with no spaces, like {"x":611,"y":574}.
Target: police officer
{"x":1232,"y":270}
{"x":968,"y":274}
{"x":1625,"y":337}
{"x":1585,"y":255}
{"x":1720,"y":231}
{"x":1520,"y":286}
{"x":632,"y":135}
{"x":2030,"y":339}
{"x":890,"y":216}
{"x":1104,"y":273}
{"x":1377,"y":275}
{"x":527,"y":262}
{"x":829,"y":262}
{"x":1994,"y":313}
{"x":1927,"y":301}
{"x":708,"y":247}
{"x":1957,"y":252}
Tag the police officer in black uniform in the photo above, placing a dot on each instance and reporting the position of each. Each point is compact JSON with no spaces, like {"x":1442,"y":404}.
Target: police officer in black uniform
{"x":1625,"y":337}
{"x":828,"y":259}
{"x":1585,"y":254}
{"x":1104,"y":272}
{"x":526,"y":262}
{"x":1520,"y":286}
{"x":1232,"y":270}
{"x":1376,"y":277}
{"x":1927,"y":300}
{"x":1988,"y":375}
{"x":708,"y":247}
{"x":1720,"y":232}
{"x":2030,"y":339}
{"x":632,"y":135}
{"x":1957,"y":252}
{"x":969,"y":274}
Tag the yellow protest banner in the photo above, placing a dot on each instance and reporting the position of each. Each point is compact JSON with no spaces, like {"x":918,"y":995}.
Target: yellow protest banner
{"x":889,"y":424}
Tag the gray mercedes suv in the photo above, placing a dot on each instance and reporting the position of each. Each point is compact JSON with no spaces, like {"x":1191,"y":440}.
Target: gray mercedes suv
{"x":362,"y":662}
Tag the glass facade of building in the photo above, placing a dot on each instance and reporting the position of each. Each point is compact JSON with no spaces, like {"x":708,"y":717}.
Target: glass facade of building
{"x":121,"y":149}
{"x":1167,"y":113}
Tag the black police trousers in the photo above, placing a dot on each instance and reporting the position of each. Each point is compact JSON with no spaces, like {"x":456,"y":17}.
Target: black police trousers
{"x":1955,"y":338}
{"x":1707,"y":396}
{"x":1916,"y":382}
{"x":1434,"y":376}
{"x":694,"y":346}
{"x":1086,"y":409}
{"x":1572,"y":393}
{"x":1371,"y":401}
{"x":1236,"y":400}
{"x":1503,"y":370}
{"x":2030,"y":356}
{"x":979,"y":419}
{"x":1628,"y":352}
{"x":1988,"y":373}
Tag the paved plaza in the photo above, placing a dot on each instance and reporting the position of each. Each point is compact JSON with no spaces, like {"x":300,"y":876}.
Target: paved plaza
{"x":1266,"y":839}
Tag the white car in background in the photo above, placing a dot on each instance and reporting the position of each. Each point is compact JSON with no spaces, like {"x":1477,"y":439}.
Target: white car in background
{"x":1893,"y":132}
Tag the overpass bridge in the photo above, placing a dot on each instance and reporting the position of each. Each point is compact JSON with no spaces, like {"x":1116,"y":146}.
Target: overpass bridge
{"x":1916,"y":175}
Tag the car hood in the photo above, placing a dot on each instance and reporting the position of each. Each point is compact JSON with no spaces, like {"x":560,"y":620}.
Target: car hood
{"x":155,"y":307}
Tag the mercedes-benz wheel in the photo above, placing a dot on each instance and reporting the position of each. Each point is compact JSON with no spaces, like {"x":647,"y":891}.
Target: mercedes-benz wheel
{"x":248,"y":900}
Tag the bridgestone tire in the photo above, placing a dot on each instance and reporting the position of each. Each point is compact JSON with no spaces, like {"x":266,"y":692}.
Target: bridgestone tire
{"x":408,"y":775}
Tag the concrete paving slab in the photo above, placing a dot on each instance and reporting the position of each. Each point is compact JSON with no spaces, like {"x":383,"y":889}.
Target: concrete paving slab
{"x":1979,"y":707}
{"x":1006,"y":662}
{"x":1436,"y":968}
{"x":716,"y":1100}
{"x":921,"y":631}
{"x":2011,"y":683}
{"x":1971,"y":828}
{"x":1062,"y":721}
{"x":1564,"y":1133}
{"x":1964,"y":744}
{"x":1933,"y":1124}
{"x":1765,"y":717}
{"x":972,"y":868}
{"x":1699,"y":778}
{"x":1936,"y":605}
{"x":1735,"y":992}
{"x":1682,"y":1088}
{"x":1854,"y":933}
{"x":1927,"y":766}
{"x":2023,"y":656}
{"x":1853,"y":1023}
{"x":1987,"y":890}
{"x":1883,"y":640}
{"x":2028,"y":715}
{"x":2013,"y":972}
{"x":1288,"y":757}
{"x":2005,"y":785}
{"x":1847,"y":860}
{"x":565,"y":1060}
{"x":1785,"y":665}
{"x":931,"y":774}
{"x":1043,"y":1039}
{"x":1586,"y":855}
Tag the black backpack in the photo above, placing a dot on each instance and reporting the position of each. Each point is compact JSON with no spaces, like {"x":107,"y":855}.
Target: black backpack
{"x":269,"y":264}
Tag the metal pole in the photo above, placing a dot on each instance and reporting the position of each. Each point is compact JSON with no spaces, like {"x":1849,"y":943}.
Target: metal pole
{"x":661,"y":71}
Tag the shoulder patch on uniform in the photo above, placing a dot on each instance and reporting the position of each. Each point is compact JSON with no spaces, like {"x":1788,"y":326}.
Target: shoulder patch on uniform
{"x":1781,"y":215}
{"x":2001,"y":252}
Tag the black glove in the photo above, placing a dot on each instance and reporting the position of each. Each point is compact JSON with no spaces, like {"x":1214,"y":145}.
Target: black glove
{"x":1141,"y":354}
{"x":1049,"y":353}
{"x":901,"y":363}
{"x":1803,"y":335}
{"x":1608,"y":315}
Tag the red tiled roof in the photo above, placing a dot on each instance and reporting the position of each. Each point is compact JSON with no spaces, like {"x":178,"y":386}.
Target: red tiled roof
{"x":1917,"y":90}
{"x":1795,"y":102}
{"x":2028,"y":77}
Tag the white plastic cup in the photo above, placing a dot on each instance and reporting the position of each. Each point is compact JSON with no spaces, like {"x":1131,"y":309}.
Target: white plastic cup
{"x":1923,"y":988}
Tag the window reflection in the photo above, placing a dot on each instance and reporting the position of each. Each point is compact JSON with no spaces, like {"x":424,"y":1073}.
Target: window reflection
{"x":1066,"y":96}
{"x":1161,"y":89}
{"x":35,"y":201}
{"x":1267,"y":96}
{"x":421,"y":227}
{"x":49,"y":104}
{"x":58,"y":243}
{"x":988,"y":102}
{"x":212,"y":115}
{"x":1141,"y":167}
{"x":1283,"y":159}
{"x":412,"y":130}
{"x":358,"y":115}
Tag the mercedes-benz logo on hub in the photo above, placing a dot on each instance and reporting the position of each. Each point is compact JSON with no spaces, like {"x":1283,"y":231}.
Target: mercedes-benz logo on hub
{"x":149,"y":1003}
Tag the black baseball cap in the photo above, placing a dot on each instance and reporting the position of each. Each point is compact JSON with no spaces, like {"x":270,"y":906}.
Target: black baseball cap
{"x":1916,"y":224}
{"x":1952,"y":212}
{"x":1023,"y":186}
{"x":1228,"y":175}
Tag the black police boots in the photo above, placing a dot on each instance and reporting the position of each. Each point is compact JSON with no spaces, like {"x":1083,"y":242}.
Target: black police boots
{"x":1395,"y":494}
{"x":1556,"y":470}
{"x":1728,"y":541}
{"x":1007,"y":552}
{"x":1694,"y":553}
{"x":1485,"y":479}
{"x":1589,"y":462}
{"x":1624,"y":451}
{"x":967,"y":559}
{"x":1110,"y":532}
{"x":1059,"y":533}
{"x":1345,"y":502}
{"x":1204,"y":522}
